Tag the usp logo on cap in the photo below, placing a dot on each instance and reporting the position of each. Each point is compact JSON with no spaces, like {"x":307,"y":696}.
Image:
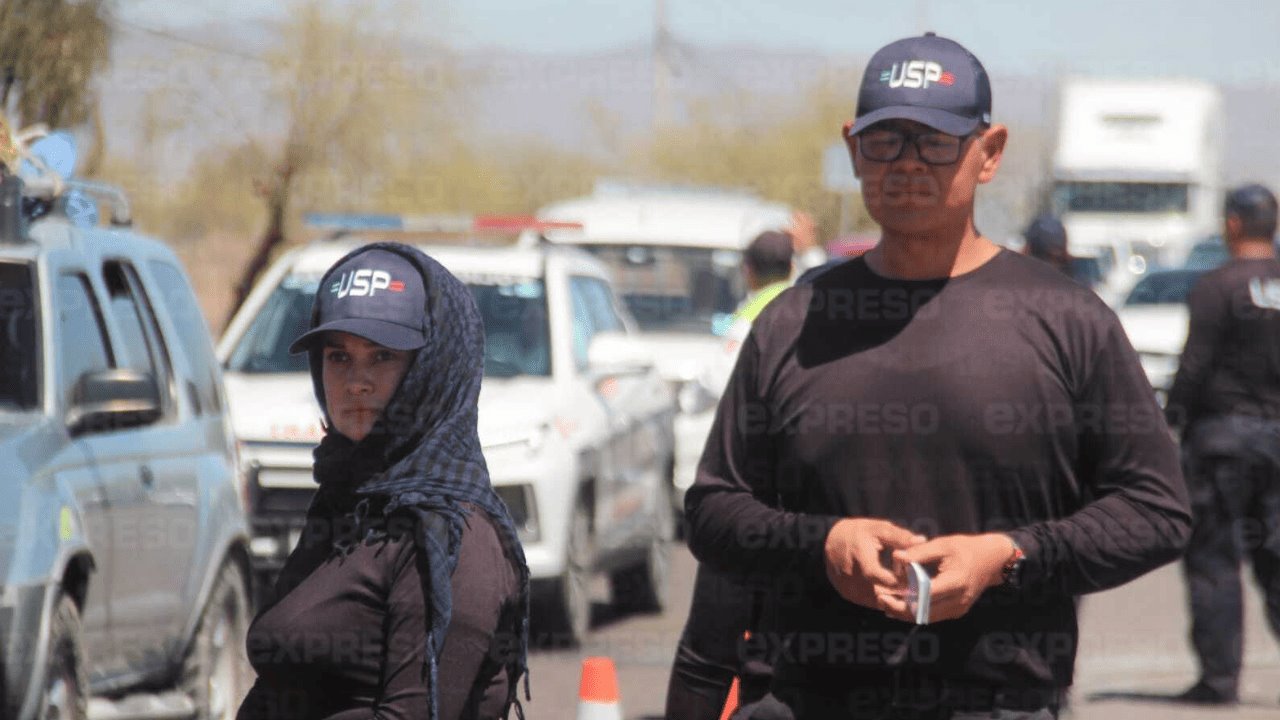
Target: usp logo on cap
{"x":377,"y":295}
{"x":928,"y":79}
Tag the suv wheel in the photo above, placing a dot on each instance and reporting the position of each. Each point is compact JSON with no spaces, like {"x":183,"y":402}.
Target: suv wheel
{"x":565,"y":608}
{"x":66,"y":683}
{"x":216,"y":673}
{"x":643,"y":587}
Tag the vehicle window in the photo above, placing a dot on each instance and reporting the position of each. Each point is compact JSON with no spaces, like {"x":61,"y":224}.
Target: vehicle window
{"x":142,"y":346}
{"x":264,"y":347}
{"x":193,"y":333}
{"x":584,"y":327}
{"x":137,"y":351}
{"x":82,"y":339}
{"x":516,"y":330}
{"x":1163,"y":288}
{"x":19,"y":350}
{"x":1087,"y":271}
{"x":1207,"y":254}
{"x":1120,"y":197}
{"x":604,"y":315}
{"x":669,"y":289}
{"x":514,"y":314}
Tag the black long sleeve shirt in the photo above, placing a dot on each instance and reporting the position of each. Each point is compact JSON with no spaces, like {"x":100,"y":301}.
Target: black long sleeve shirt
{"x":346,"y":637}
{"x":1004,"y":399}
{"x":1231,"y":362}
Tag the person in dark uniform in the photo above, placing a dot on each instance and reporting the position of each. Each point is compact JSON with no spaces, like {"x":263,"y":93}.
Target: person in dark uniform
{"x":1046,"y":240}
{"x":1227,"y":394}
{"x":714,"y":647}
{"x":407,"y":594}
{"x":941,"y":401}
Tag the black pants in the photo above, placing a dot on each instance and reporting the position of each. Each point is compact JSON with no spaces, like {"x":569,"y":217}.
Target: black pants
{"x":1233,"y":474}
{"x":711,"y":652}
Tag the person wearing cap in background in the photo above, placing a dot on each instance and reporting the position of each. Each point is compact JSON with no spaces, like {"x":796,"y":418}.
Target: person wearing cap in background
{"x":407,"y":593}
{"x":1046,"y":239}
{"x":922,"y":403}
{"x":1227,"y":395}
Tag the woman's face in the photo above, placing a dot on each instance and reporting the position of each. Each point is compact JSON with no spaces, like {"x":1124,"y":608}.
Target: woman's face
{"x":359,"y":379}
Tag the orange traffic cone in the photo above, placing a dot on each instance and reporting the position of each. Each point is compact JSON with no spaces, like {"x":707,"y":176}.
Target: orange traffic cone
{"x":598,"y":691}
{"x":730,"y":703}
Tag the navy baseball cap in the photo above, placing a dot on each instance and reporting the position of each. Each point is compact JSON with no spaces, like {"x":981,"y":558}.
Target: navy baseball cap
{"x":377,"y":295}
{"x":928,"y":79}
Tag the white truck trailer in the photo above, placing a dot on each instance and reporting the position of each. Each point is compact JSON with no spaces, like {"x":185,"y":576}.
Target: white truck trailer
{"x":1137,"y":172}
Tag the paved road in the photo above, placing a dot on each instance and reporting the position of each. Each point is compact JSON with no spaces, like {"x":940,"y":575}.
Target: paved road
{"x":1132,"y":643}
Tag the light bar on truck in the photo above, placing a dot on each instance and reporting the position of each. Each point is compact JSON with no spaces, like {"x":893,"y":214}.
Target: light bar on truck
{"x":354,"y":222}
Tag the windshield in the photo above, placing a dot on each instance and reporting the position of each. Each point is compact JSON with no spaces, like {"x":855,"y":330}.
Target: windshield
{"x":514,"y":316}
{"x":19,"y":352}
{"x":1101,"y":257}
{"x":1163,"y":288}
{"x":672,"y":289}
{"x":516,"y":337}
{"x":1207,"y":254}
{"x":1120,"y":197}
{"x":1087,"y":271}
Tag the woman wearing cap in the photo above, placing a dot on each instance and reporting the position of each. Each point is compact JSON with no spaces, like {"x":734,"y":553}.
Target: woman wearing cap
{"x":407,"y":594}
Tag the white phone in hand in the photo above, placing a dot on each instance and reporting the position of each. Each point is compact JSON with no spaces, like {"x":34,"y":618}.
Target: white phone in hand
{"x":918,"y":592}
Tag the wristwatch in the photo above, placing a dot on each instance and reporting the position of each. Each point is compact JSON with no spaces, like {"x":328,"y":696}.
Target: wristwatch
{"x":1012,"y":570}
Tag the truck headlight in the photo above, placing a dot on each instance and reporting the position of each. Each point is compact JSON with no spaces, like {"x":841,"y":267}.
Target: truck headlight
{"x":522,"y":504}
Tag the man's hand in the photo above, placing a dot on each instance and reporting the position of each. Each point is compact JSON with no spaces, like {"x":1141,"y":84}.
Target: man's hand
{"x":967,"y":565}
{"x":852,"y":552}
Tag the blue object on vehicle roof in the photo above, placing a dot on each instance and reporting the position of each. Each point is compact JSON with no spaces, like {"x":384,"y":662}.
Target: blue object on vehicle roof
{"x":355,"y":221}
{"x":80,"y":209}
{"x":57,"y":151}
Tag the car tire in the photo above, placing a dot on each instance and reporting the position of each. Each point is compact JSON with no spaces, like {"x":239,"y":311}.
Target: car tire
{"x":66,"y":685}
{"x":562,"y":612}
{"x":644,"y":587}
{"x":216,"y":673}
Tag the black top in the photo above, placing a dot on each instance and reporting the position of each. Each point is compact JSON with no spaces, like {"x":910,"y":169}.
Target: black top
{"x":1231,"y":363}
{"x":1008,"y":397}
{"x":346,"y":637}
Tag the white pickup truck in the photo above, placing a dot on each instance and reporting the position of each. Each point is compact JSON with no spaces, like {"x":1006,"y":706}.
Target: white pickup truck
{"x":575,"y":423}
{"x":676,"y":256}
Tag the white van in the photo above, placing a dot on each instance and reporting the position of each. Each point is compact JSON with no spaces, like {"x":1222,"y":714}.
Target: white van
{"x":676,"y":256}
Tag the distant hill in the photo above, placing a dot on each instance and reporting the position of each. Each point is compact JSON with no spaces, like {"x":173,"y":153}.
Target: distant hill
{"x":565,"y":98}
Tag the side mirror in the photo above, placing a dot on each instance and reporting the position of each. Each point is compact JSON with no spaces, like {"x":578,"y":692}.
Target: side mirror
{"x":112,"y":400}
{"x":617,"y":353}
{"x":695,"y":398}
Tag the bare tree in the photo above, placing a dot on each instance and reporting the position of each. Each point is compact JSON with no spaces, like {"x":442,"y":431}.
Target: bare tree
{"x":50,"y":53}
{"x":348,"y":95}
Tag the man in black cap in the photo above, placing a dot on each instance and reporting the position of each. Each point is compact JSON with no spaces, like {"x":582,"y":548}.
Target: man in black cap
{"x":1227,"y":391}
{"x":938,"y":401}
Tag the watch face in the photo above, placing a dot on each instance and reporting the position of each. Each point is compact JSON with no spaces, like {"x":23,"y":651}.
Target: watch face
{"x":1013,"y":566}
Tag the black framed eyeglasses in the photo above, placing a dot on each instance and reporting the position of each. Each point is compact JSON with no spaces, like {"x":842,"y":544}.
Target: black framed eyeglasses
{"x":887,"y":144}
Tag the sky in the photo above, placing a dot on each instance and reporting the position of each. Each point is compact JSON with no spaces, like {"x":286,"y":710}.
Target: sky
{"x":1228,"y":41}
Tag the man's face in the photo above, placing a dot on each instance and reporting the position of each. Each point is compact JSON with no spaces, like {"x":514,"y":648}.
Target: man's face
{"x":360,"y":377}
{"x":908,"y":194}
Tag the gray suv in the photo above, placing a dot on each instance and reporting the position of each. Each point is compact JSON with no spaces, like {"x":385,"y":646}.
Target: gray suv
{"x":123,"y":541}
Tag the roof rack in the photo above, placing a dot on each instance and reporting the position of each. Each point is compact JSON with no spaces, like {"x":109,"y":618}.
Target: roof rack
{"x":622,"y":187}
{"x":39,"y":164}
